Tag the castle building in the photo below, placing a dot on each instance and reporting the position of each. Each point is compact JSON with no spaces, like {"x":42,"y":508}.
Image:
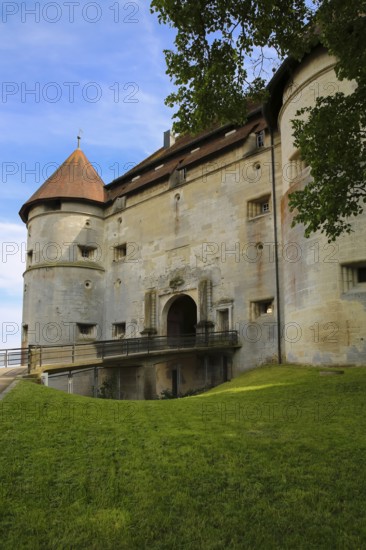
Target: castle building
{"x":196,"y":241}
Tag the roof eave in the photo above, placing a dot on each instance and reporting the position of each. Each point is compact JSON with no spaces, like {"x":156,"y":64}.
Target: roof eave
{"x":25,"y":209}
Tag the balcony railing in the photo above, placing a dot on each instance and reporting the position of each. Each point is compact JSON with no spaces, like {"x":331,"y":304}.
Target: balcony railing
{"x":103,"y":350}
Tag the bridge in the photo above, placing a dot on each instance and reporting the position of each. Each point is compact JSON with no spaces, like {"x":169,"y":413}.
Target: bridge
{"x":107,"y":352}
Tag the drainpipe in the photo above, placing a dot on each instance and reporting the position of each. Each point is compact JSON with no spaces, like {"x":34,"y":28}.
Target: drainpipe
{"x":278,"y":308}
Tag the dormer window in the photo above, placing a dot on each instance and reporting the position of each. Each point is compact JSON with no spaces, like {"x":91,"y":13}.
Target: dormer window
{"x":178,"y":177}
{"x":230,"y":133}
{"x":182,"y":174}
{"x":260,"y":138}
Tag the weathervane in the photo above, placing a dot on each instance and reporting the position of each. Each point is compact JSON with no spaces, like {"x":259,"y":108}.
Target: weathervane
{"x":79,"y":138}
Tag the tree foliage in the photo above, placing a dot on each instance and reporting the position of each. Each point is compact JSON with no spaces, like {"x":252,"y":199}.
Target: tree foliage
{"x":332,"y":141}
{"x":218,"y":67}
{"x":219,"y":45}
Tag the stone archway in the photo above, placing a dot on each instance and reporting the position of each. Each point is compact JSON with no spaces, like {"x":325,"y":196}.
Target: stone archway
{"x":182,"y":316}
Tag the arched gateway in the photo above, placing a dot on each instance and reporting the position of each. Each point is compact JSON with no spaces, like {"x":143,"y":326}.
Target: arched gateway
{"x":182,"y":316}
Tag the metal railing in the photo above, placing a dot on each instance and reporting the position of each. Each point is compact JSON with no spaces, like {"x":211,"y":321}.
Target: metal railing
{"x":16,"y":357}
{"x":99,"y":351}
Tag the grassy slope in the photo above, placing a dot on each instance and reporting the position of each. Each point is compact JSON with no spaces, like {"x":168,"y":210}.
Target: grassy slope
{"x":273,"y":459}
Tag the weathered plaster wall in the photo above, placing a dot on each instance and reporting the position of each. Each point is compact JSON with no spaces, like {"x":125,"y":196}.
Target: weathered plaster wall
{"x":325,"y":324}
{"x":61,"y":287}
{"x":197,"y":231}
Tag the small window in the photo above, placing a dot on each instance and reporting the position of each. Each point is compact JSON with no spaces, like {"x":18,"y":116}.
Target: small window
{"x":120,"y":252}
{"x":261,"y":307}
{"x":30,"y":257}
{"x":86,"y":330}
{"x":260,"y":138}
{"x":259,"y":207}
{"x":52,"y":205}
{"x":361,"y":274}
{"x":353,"y":276}
{"x":119,"y":330}
{"x":25,"y":333}
{"x":87,"y":252}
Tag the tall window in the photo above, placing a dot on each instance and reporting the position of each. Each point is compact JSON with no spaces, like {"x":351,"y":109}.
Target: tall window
{"x":223,"y":320}
{"x":30,"y":257}
{"x":260,"y":138}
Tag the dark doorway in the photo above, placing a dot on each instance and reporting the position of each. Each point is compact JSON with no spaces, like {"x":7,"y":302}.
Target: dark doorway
{"x":175,"y":383}
{"x":182,"y":317}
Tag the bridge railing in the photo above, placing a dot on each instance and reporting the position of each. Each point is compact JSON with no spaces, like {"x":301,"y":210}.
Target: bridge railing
{"x":94,"y":351}
{"x":16,"y":357}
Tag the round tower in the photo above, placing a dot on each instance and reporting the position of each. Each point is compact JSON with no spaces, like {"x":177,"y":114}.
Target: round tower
{"x":63,"y":280}
{"x":324,"y":284}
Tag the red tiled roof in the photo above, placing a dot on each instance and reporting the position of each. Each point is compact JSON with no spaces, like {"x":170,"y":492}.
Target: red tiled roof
{"x":180,"y":143}
{"x":152,"y":176}
{"x":76,"y":178}
{"x":179,"y":156}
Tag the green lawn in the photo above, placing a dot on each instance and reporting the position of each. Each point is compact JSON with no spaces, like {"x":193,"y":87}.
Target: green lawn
{"x":274,"y":459}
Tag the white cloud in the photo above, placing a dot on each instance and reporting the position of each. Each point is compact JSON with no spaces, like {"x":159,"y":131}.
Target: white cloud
{"x":34,"y":130}
{"x":13,"y":239}
{"x":10,"y":325}
{"x":12,"y":258}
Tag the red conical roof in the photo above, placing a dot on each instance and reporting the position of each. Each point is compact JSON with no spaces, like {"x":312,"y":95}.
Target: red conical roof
{"x":76,"y":178}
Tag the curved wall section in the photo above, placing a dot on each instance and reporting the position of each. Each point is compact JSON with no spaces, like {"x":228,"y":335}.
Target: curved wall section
{"x":64,"y":277}
{"x":324,"y":288}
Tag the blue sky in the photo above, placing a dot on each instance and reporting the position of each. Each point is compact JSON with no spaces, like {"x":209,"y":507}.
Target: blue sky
{"x":67,"y":66}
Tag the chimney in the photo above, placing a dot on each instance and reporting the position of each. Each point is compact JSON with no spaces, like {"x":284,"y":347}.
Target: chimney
{"x":169,"y":139}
